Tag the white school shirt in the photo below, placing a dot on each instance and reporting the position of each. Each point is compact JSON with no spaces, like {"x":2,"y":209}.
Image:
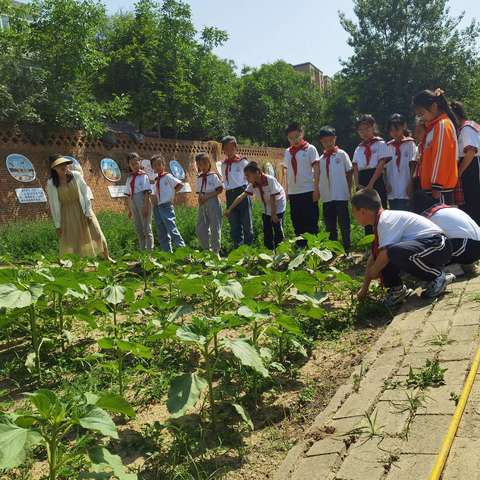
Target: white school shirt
{"x":142,"y":184}
{"x":167,"y":188}
{"x":271,"y":188}
{"x":236,"y":175}
{"x":395,"y":226}
{"x":213,"y":182}
{"x":303,"y":182}
{"x":468,"y":137}
{"x":399,"y":177}
{"x":334,"y":187}
{"x":456,"y":223}
{"x":380,"y":150}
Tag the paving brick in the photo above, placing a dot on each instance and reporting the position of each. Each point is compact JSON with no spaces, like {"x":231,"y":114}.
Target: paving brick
{"x":364,"y":462}
{"x":326,"y":446}
{"x":464,"y":333}
{"x":412,"y":467}
{"x":315,"y":468}
{"x":457,"y":351}
{"x":463,"y":461}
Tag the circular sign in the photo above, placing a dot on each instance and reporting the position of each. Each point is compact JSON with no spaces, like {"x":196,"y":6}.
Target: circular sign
{"x":269,"y":170}
{"x":20,"y":168}
{"x":110,"y":169}
{"x":177,"y":170}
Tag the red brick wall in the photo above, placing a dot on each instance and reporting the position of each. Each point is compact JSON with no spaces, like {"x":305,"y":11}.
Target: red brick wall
{"x":89,"y":153}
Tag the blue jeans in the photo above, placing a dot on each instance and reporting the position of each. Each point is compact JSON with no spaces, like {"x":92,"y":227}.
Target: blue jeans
{"x":167,"y":230}
{"x":399,"y":204}
{"x":240,"y":219}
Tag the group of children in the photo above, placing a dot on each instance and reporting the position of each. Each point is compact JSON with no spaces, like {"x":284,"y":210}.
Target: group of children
{"x":429,"y":174}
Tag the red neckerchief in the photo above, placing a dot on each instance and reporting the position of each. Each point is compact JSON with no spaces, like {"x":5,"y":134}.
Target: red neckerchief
{"x":159,"y":176}
{"x":368,"y":148}
{"x":433,"y":210}
{"x":428,"y":128}
{"x":294,"y":149}
{"x":228,"y":164}
{"x":471,"y":123}
{"x":398,"y":148}
{"x":327,"y":154}
{"x":134,"y":177}
{"x":260,"y":184}
{"x":204,"y":177}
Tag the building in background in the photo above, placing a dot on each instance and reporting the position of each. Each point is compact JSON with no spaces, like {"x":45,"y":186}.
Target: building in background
{"x":4,"y":18}
{"x":316,"y":75}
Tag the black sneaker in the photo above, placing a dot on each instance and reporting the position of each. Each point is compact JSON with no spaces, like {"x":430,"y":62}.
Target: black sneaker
{"x":436,"y":287}
{"x":396,"y":296}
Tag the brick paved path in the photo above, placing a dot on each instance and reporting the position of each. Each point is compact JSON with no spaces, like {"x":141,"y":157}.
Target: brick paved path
{"x":409,"y":423}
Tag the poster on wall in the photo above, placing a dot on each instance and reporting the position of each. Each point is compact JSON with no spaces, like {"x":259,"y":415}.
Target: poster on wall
{"x":20,"y":168}
{"x":147,"y":168}
{"x":110,"y":169}
{"x":31,"y":195}
{"x":117,"y":191}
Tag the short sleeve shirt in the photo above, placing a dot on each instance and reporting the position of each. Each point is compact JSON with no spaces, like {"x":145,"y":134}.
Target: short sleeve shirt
{"x":142,"y":184}
{"x":468,"y":137}
{"x":236,"y":175}
{"x":272,"y":188}
{"x":212,"y":184}
{"x":456,"y":224}
{"x":303,"y":181}
{"x":167,"y":188}
{"x":399,"y":176}
{"x":397,"y":226}
{"x":380,"y":150}
{"x":334,"y":186}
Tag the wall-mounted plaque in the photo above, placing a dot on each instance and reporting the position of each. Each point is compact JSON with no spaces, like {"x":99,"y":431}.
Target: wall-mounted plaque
{"x":110,"y":170}
{"x":20,"y":168}
{"x":31,"y":195}
{"x":117,"y":191}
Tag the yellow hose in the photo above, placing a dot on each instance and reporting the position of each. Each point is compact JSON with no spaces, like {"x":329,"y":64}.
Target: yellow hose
{"x":457,"y":416}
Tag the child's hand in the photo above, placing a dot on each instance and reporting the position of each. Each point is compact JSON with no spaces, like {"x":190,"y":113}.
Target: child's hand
{"x":227,"y":213}
{"x":315,"y":195}
{"x":436,"y":194}
{"x":362,"y":293}
{"x":275,"y":218}
{"x":201,"y":199}
{"x":129,"y":214}
{"x":145,"y":211}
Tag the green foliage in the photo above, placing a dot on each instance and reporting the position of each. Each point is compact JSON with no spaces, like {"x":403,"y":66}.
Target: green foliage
{"x":432,"y":375}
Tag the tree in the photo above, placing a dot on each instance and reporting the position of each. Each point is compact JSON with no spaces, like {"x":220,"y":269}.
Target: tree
{"x":403,"y":46}
{"x":272,"y":96}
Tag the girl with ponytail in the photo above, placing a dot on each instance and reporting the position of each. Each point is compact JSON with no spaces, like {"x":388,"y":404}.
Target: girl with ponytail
{"x":438,"y":169}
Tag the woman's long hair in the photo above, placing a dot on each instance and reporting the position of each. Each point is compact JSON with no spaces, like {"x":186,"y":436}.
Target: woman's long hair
{"x":54,"y":174}
{"x":426,"y":98}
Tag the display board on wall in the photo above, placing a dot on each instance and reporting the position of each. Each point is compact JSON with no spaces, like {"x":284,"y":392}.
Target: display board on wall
{"x":31,"y":195}
{"x":20,"y":168}
{"x":117,"y":191}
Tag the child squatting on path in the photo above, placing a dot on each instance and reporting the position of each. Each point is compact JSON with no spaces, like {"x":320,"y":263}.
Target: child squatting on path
{"x":209,"y":220}
{"x":163,"y":212}
{"x":272,"y":195}
{"x":404,"y":242}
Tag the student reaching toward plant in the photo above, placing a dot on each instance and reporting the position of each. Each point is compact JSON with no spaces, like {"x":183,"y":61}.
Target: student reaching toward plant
{"x":272,"y":195}
{"x":404,"y":242}
{"x":209,"y":220}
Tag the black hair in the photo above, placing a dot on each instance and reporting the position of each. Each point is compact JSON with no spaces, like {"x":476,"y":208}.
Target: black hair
{"x":458,"y":109}
{"x":327,"y":131}
{"x":397,"y":120}
{"x":367,"y":119}
{"x":228,"y":139}
{"x":157,"y":156}
{"x":368,"y":199}
{"x":252,"y":167}
{"x":132,"y":156}
{"x":422,"y":201}
{"x":201,"y":156}
{"x":294,"y":127}
{"x":426,"y":98}
{"x":53,"y":174}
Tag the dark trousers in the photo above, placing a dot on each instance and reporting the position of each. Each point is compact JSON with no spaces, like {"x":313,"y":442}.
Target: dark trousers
{"x":423,"y":258}
{"x":241,"y":224}
{"x":399,"y":204}
{"x":364,"y":177}
{"x":304,"y":214}
{"x":465,"y":251}
{"x":448,"y":198}
{"x":471,"y":189}
{"x":272,"y":232}
{"x":335,"y":212}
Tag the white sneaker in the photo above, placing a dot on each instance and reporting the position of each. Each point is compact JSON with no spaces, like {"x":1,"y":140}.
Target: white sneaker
{"x":450,"y":277}
{"x":436,"y":287}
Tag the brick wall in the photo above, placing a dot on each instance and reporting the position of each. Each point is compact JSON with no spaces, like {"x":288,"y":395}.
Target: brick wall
{"x":89,"y":153}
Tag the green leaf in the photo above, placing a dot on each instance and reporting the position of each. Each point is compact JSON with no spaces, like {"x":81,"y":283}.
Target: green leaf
{"x":98,"y":420}
{"x":12,"y":297}
{"x":114,"y":294}
{"x":245,"y":417}
{"x":289,"y":324}
{"x":366,"y":240}
{"x":246,"y":354}
{"x":231,"y":290}
{"x":297,"y":261}
{"x":106,"y":343}
{"x":187,"y":335}
{"x":15,"y":443}
{"x":325,"y":255}
{"x":111,"y":402}
{"x":48,"y":404}
{"x":246,"y":312}
{"x":184,"y":392}
{"x":103,"y":460}
{"x":135,"y":349}
{"x":303,"y":281}
{"x":191,"y":285}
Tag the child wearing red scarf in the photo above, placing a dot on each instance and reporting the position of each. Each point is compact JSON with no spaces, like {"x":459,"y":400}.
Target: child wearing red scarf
{"x":336,"y":173}
{"x":234,"y":181}
{"x":404,"y":242}
{"x":166,"y":185}
{"x":400,"y":169}
{"x":302,"y":175}
{"x":267,"y":190}
{"x":138,"y":189}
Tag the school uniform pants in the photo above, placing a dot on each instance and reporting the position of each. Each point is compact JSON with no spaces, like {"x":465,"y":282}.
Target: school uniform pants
{"x":447,"y":197}
{"x":241,"y":223}
{"x":422,"y":258}
{"x":166,"y":223}
{"x":209,"y":224}
{"x":465,"y":251}
{"x":305,"y":214}
{"x":335,"y":212}
{"x":143,"y":225}
{"x":471,"y":189}
{"x":364,"y":177}
{"x":272,"y":232}
{"x":399,"y":204}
